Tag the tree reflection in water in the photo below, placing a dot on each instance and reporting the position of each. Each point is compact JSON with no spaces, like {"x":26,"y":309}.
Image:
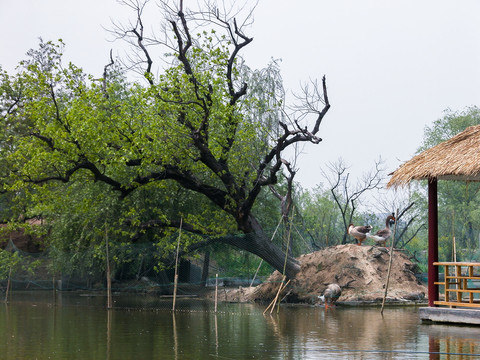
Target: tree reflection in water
{"x":82,"y":328}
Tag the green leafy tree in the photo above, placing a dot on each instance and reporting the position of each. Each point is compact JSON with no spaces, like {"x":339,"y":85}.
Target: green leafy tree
{"x":321,"y":217}
{"x":192,"y":138}
{"x":448,"y":126}
{"x":458,"y":201}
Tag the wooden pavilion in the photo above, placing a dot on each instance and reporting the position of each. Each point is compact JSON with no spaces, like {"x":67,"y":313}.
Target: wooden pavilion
{"x":455,"y":159}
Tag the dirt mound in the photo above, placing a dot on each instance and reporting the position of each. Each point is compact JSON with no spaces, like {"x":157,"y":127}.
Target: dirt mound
{"x":361,"y":272}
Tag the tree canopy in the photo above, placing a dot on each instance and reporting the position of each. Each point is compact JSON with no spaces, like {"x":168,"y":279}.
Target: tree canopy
{"x":458,"y":200}
{"x":194,"y":145}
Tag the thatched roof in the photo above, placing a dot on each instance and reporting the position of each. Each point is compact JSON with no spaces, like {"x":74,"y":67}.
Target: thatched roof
{"x":455,"y":159}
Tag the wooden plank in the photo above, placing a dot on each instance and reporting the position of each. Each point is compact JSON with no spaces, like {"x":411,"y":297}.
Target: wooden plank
{"x":465,"y":290}
{"x":451,"y":263}
{"x":454,"y":303}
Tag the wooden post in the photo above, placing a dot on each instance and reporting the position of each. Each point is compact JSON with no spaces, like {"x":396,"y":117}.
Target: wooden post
{"x":109,"y":278}
{"x":256,"y":272}
{"x":9,"y":284}
{"x":389,"y":263}
{"x":454,"y":245}
{"x":216,"y":292}
{"x":175,"y":336}
{"x":274,"y":301}
{"x":432,"y":241}
{"x":54,"y":286}
{"x":280,"y":288}
{"x":175,"y":281}
{"x":175,"y":284}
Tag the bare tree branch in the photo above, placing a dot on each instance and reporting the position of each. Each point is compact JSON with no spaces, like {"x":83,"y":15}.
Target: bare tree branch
{"x":347,"y":197}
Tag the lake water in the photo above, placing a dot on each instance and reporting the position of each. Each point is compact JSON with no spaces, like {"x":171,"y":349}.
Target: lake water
{"x":75,"y":326}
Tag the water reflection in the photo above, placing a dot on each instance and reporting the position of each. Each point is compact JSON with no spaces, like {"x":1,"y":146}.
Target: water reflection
{"x":347,"y":331}
{"x":452,"y":342}
{"x":109,"y":333}
{"x":80,"y":327}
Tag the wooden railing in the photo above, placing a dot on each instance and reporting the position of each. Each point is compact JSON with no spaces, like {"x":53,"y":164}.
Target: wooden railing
{"x":455,"y":283}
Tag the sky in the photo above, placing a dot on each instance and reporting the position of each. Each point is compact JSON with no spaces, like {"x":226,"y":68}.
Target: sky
{"x":392,"y":66}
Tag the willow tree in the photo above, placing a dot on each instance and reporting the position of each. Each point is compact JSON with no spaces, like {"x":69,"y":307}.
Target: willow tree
{"x":194,"y":127}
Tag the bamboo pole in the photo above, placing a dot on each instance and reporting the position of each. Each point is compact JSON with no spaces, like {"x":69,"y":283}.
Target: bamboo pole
{"x":109,"y":278}
{"x":389,"y":263}
{"x":454,"y":250}
{"x":175,"y":284}
{"x":261,"y":261}
{"x":289,"y":236}
{"x":54,"y":286}
{"x":454,"y":258}
{"x":216,"y":292}
{"x":175,"y":281}
{"x":256,"y":272}
{"x":175,"y":336}
{"x":216,"y":336}
{"x":9,"y":284}
{"x":282,"y":286}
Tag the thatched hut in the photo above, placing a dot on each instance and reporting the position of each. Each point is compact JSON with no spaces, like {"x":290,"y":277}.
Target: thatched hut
{"x":455,"y":159}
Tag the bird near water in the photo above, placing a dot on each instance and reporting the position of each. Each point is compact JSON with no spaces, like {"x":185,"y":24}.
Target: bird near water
{"x":331,"y":295}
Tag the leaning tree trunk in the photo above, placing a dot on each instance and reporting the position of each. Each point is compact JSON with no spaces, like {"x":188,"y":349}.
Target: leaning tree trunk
{"x":257,"y":242}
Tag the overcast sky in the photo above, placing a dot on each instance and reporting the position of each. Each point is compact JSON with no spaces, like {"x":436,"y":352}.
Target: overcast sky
{"x":392,"y":67}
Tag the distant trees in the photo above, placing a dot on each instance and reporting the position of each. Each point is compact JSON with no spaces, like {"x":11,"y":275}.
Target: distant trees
{"x":348,"y":196}
{"x":459,"y":201}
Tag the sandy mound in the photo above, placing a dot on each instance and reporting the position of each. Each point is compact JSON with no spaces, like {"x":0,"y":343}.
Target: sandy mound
{"x":361,"y":272}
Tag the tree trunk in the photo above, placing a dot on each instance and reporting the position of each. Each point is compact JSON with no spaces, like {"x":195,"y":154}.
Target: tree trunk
{"x":206,"y":265}
{"x":256,"y":242}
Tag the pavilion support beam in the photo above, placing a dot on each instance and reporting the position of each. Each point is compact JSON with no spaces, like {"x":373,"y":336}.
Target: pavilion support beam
{"x":432,"y":241}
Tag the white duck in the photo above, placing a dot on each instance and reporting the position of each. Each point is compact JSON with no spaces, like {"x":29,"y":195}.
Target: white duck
{"x":381,"y":236}
{"x":331,"y":295}
{"x":359,"y":232}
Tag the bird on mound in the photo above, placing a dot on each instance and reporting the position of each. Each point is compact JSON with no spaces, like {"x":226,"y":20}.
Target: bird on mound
{"x":359,"y":232}
{"x":381,"y":236}
{"x":331,"y":295}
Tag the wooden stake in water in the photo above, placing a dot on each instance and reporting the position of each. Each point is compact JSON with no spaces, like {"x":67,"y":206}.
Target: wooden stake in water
{"x":175,"y":281}
{"x":8,"y":284}
{"x":390,"y":263}
{"x":109,"y":278}
{"x":216,"y":292}
{"x":283,"y":285}
{"x":54,"y":286}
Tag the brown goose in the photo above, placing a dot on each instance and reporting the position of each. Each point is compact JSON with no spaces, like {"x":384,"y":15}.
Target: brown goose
{"x":331,"y":295}
{"x":359,"y":232}
{"x":381,"y":236}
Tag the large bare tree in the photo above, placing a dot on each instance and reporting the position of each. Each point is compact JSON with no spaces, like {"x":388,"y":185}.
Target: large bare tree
{"x":177,"y":37}
{"x":203,"y":121}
